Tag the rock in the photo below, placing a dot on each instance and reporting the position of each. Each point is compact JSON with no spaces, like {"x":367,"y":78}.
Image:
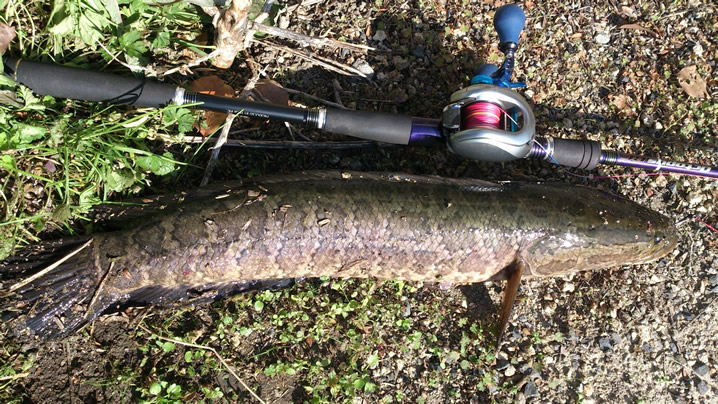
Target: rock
{"x":701,"y":369}
{"x":530,"y":389}
{"x":605,"y":344}
{"x":502,"y":364}
{"x":713,"y":280}
{"x":510,"y":371}
{"x":364,"y":67}
{"x":603,"y":38}
{"x":379,"y":35}
{"x":400,"y":63}
{"x":703,"y":388}
{"x":695,"y":197}
{"x":283,"y":22}
{"x":616,"y":338}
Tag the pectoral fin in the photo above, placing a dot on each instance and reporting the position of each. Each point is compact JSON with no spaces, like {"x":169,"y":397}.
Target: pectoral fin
{"x":513,"y":272}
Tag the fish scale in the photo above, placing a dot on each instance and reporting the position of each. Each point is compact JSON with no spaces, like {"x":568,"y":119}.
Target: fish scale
{"x":264,"y":231}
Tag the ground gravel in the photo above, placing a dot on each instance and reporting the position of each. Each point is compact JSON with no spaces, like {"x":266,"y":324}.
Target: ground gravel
{"x":606,"y":71}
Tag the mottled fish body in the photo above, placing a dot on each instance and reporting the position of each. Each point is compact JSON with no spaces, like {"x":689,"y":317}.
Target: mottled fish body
{"x":339,"y":225}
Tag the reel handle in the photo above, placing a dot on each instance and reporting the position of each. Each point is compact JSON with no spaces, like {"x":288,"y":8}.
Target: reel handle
{"x":509,"y":21}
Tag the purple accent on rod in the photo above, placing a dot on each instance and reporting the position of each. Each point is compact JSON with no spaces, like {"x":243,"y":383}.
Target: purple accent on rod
{"x":608,"y":157}
{"x":664,"y":166}
{"x":425,"y":132}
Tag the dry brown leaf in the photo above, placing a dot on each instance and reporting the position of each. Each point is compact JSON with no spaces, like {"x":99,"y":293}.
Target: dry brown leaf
{"x":271,"y":91}
{"x":7,"y":35}
{"x":623,"y":103}
{"x":628,"y":11}
{"x":693,"y":84}
{"x":211,"y":85}
{"x":638,"y":27}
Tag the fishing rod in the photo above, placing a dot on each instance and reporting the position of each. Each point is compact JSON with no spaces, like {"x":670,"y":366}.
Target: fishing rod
{"x":486,"y":121}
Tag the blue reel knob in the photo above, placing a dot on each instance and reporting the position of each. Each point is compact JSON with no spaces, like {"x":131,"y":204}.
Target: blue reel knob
{"x":509,"y":21}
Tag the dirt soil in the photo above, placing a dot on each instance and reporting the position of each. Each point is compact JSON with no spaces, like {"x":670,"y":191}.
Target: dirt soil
{"x":605,"y":72}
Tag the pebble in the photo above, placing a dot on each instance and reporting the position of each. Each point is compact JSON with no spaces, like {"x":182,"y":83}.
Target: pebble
{"x":379,"y":36}
{"x":419,"y":52}
{"x":701,"y":369}
{"x":605,"y":344}
{"x":364,"y":67}
{"x":510,"y":371}
{"x":530,"y":389}
{"x":502,"y":364}
{"x":283,"y":22}
{"x":694,"y":198}
{"x":568,"y":287}
{"x":703,"y":388}
{"x":616,"y":338}
{"x":603,"y":38}
{"x":400,"y":63}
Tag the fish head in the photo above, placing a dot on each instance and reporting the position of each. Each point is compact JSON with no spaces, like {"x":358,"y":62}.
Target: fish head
{"x":595,"y":230}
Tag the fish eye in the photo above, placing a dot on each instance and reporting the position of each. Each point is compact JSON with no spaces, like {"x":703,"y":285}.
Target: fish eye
{"x":657,"y":239}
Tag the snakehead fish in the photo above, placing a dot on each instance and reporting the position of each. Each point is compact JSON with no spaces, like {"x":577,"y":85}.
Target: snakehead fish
{"x":259,"y":234}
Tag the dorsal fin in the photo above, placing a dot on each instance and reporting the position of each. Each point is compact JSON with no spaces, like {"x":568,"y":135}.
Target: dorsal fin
{"x":114,"y":216}
{"x":513,"y":271}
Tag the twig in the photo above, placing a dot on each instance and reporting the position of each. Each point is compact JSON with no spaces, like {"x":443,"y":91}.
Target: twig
{"x":337,"y":89}
{"x":221,"y":140}
{"x":251,"y":83}
{"x":193,"y":63}
{"x":50,"y":268}
{"x":314,"y":98}
{"x":306,"y":40}
{"x":207,"y":348}
{"x":305,"y":3}
{"x":98,"y":290}
{"x":114,"y":58}
{"x":341,"y":65}
{"x":231,"y":27}
{"x":13,"y":377}
{"x":260,"y":19}
{"x":346,"y":71}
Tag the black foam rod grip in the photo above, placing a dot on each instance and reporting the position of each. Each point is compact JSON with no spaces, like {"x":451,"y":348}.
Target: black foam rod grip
{"x":584,"y":154}
{"x":377,"y":126}
{"x":79,"y":84}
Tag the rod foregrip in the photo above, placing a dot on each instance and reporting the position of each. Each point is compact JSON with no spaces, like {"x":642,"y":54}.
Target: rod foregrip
{"x":584,"y":154}
{"x":377,"y":126}
{"x":79,"y":84}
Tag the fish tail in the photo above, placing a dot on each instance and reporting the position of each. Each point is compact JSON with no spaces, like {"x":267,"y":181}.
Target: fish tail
{"x":48,"y":290}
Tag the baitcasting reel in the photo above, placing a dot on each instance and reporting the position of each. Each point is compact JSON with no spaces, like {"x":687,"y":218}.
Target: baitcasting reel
{"x":487,"y":121}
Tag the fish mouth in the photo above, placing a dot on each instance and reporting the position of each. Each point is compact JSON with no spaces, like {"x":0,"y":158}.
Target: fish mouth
{"x":664,"y":239}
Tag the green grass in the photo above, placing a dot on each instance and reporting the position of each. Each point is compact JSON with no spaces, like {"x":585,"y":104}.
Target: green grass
{"x":347,"y":327}
{"x":60,"y":158}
